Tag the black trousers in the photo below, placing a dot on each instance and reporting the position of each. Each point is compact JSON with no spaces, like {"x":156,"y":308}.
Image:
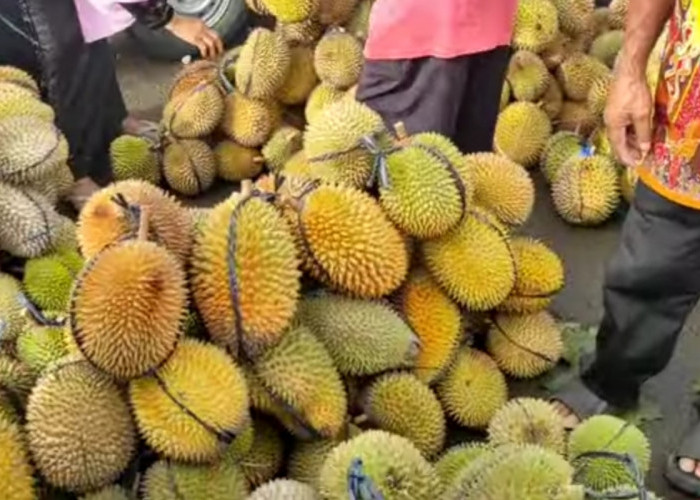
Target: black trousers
{"x":652,"y":285}
{"x":458,"y":97}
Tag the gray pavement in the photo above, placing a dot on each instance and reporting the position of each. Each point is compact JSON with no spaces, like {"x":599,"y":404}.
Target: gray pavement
{"x":585,"y":252}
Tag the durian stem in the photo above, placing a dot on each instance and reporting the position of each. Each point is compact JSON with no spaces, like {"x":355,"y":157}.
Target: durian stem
{"x":142,"y":234}
{"x":401,"y":132}
{"x":259,"y":160}
{"x":246,"y":188}
{"x":360,"y":419}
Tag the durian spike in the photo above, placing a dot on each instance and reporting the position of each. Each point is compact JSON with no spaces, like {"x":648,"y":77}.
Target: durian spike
{"x":142,"y":234}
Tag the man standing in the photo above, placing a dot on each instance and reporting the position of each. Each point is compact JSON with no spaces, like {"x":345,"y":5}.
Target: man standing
{"x":653,"y":281}
{"x":439,"y":66}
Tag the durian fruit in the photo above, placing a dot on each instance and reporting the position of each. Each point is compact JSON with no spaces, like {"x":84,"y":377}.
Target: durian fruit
{"x":300,"y":373}
{"x":553,"y":98}
{"x":539,"y":275}
{"x":249,"y":122}
{"x":601,"y":21}
{"x":527,"y":75}
{"x":283,"y":144}
{"x":335,"y":12}
{"x":30,"y":224}
{"x":16,"y":481}
{"x":113,"y":492}
{"x":48,"y":280}
{"x":528,"y":421}
{"x":189,"y":166}
{"x":536,"y":25}
{"x":127,"y":307}
{"x":392,"y":463}
{"x":102,"y":221}
{"x":166,"y":480}
{"x":266,"y":277}
{"x":333,"y":142}
{"x":587,"y":190}
{"x":505,"y":96}
{"x":16,"y":377}
{"x":297,"y":166}
{"x":338,"y":59}
{"x":403,"y":405}
{"x":266,"y":455}
{"x":193,"y":74}
{"x":457,"y":458}
{"x":301,"y":78}
{"x":575,"y":16}
{"x":236,"y":163}
{"x":613,"y":435}
{"x":606,"y":46}
{"x":284,"y":489}
{"x":304,"y":32}
{"x":39,"y":346}
{"x":628,"y":183}
{"x":423,"y":194}
{"x":525,"y":346}
{"x":600,"y":141}
{"x":346,"y":240}
{"x":11,"y":307}
{"x":19,"y":101}
{"x":194,"y":405}
{"x":134,"y":158}
{"x":618,"y":13}
{"x":291,"y":12}
{"x":474,"y":263}
{"x":516,"y":472}
{"x":358,"y":24}
{"x":30,"y":149}
{"x":559,"y":149}
{"x":321,"y":97}
{"x":576,"y":117}
{"x":598,"y":96}
{"x":577,"y":74}
{"x":19,"y":77}
{"x":194,"y":113}
{"x":79,"y":427}
{"x":306,"y":459}
{"x":263,"y":63}
{"x":348,"y":329}
{"x":435,"y":319}
{"x":473,"y":389}
{"x":555,"y":52}
{"x":522,"y":130}
{"x":502,"y":186}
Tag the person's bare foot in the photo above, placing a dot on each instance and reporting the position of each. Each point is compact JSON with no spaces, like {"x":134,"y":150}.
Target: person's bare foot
{"x":82,"y":190}
{"x":570,"y":418}
{"x":689,"y":466}
{"x":134,"y":126}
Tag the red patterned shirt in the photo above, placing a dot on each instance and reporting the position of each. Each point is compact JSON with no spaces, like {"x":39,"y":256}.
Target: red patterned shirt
{"x":673,"y":167}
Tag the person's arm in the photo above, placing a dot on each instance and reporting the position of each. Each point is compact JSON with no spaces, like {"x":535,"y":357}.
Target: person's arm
{"x":158,"y":14}
{"x":629,"y":109}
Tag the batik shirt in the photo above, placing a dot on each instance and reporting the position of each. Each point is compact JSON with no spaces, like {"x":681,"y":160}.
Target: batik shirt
{"x":673,"y":167}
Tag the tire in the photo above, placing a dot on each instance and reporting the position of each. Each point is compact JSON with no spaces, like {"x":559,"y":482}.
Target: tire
{"x":231,"y":22}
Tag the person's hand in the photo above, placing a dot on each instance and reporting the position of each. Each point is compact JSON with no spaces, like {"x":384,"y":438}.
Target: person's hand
{"x":628,"y":116}
{"x":195,"y":32}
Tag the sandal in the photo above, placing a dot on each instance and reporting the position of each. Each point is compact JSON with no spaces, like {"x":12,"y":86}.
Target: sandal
{"x":580,"y":400}
{"x":687,"y":482}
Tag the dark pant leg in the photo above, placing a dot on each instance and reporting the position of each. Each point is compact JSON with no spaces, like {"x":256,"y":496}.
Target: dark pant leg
{"x":481,"y":100}
{"x":424,"y":93}
{"x":652,"y":284}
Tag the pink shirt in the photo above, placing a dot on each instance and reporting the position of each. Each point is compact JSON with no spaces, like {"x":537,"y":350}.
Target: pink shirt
{"x":409,"y":29}
{"x":103,"y":18}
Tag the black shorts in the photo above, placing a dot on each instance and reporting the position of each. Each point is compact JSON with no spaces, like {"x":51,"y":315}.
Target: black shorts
{"x":458,"y":97}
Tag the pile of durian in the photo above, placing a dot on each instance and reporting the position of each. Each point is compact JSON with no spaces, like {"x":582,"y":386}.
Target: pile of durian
{"x":553,"y":101}
{"x":316,"y":335}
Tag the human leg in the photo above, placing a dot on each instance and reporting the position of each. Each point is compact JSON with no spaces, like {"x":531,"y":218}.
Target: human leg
{"x":424,"y":94}
{"x":481,"y":100}
{"x":651,"y":286}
